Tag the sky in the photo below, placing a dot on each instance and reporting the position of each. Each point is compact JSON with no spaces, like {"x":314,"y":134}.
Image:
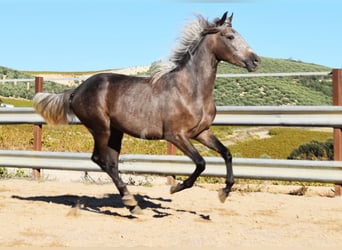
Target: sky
{"x":85,"y":35}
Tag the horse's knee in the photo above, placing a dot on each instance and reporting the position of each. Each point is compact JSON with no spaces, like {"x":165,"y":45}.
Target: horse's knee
{"x":200,"y":165}
{"x":226,"y":154}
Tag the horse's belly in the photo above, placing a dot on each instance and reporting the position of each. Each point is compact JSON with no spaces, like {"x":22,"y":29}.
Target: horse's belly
{"x":144,"y":129}
{"x":146,"y":133}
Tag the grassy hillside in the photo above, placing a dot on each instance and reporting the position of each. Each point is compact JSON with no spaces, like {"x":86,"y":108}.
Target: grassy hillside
{"x":306,"y":90}
{"x":299,"y":90}
{"x":273,"y":65}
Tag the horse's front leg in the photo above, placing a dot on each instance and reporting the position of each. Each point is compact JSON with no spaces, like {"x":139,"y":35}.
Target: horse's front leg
{"x":184,"y":144}
{"x":208,"y":139}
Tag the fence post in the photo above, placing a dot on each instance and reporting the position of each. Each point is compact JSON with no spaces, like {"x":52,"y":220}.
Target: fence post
{"x":171,"y":149}
{"x":337,"y":101}
{"x":37,"y":128}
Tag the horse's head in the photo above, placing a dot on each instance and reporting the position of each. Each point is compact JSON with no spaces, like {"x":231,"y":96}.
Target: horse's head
{"x":228,"y":45}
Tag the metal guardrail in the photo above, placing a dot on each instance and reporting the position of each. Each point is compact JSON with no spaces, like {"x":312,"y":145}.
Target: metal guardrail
{"x":249,"y":168}
{"x":20,"y":116}
{"x":301,"y":116}
{"x":312,"y":116}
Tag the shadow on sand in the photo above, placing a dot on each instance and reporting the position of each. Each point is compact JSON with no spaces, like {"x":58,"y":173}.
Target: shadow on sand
{"x":102,"y":205}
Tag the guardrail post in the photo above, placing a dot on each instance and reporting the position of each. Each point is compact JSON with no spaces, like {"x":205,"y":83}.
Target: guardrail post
{"x":337,"y":101}
{"x":37,"y":128}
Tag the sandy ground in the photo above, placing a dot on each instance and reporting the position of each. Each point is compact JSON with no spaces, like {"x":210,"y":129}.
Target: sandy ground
{"x":68,"y":213}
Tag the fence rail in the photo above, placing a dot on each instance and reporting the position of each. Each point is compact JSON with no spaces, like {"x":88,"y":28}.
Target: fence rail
{"x":249,"y":168}
{"x":300,"y":116}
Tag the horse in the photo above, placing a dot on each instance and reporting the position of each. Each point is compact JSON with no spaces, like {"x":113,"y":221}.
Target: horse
{"x":175,"y":103}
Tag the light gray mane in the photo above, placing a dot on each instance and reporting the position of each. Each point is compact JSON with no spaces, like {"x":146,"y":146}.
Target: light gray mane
{"x":189,"y":40}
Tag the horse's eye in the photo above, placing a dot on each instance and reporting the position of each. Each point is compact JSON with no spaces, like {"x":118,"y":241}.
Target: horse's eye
{"x":230,"y":37}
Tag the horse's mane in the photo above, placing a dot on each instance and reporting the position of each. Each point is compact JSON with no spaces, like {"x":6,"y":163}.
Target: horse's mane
{"x":189,"y":40}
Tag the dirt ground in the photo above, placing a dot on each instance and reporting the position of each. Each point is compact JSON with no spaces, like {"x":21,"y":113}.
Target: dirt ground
{"x":78,"y":214}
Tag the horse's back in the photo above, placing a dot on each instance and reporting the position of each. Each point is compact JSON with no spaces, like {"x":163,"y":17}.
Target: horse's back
{"x":98,"y":85}
{"x":125,"y":102}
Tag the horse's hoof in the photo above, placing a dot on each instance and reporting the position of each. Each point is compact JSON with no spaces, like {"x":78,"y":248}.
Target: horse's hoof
{"x":223,"y":194}
{"x":175,"y":188}
{"x":136,"y":210}
{"x":129,"y":200}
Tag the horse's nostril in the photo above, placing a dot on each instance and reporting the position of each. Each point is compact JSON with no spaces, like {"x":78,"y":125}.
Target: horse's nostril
{"x":256,"y":60}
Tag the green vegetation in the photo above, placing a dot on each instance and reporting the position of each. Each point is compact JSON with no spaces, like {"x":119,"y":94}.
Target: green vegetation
{"x":19,"y":173}
{"x":26,"y":90}
{"x":314,"y":150}
{"x":12,"y":74}
{"x":303,"y":90}
{"x":272,"y":65}
{"x":271,"y":91}
{"x":16,"y":102}
{"x":280,"y":145}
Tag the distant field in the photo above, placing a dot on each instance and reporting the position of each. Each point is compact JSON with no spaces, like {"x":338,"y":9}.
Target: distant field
{"x":16,"y":102}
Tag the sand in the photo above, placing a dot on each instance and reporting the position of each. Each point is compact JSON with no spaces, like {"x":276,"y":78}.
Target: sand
{"x":77,"y":214}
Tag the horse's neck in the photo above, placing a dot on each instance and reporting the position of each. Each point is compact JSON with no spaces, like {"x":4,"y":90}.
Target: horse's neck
{"x":201,"y":68}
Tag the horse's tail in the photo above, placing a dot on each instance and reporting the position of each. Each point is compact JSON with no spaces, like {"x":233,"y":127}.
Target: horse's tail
{"x":54,"y":108}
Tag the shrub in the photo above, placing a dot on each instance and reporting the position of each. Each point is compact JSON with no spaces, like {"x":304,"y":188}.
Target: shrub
{"x":314,"y":150}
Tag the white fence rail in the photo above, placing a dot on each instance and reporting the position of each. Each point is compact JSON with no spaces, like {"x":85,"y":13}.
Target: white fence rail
{"x":249,"y":168}
{"x":301,"y":116}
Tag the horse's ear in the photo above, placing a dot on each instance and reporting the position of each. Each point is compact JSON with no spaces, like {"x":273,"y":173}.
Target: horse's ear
{"x":222,"y":20}
{"x":230,"y":19}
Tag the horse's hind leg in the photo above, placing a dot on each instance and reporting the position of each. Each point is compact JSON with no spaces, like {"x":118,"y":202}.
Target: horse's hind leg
{"x":114,"y":146}
{"x":106,"y":155}
{"x":208,"y":139}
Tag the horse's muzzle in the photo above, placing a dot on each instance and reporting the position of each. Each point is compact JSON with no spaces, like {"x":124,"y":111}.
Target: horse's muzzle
{"x":253,"y":62}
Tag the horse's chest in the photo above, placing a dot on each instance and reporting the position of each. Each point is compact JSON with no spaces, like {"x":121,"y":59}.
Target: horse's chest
{"x":207,"y":118}
{"x":203,"y":120}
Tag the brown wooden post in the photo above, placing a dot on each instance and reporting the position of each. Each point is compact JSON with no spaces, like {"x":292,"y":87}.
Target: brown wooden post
{"x":37,"y":128}
{"x":337,"y":101}
{"x":171,"y":149}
